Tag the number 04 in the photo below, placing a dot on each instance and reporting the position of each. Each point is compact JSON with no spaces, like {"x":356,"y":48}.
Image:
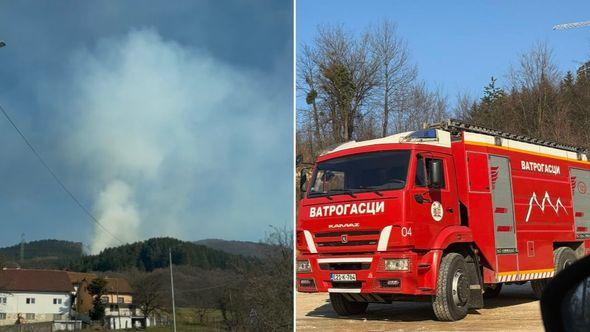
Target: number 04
{"x":406,"y":231}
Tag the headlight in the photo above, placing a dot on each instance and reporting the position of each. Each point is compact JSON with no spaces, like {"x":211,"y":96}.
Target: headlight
{"x":303,"y":266}
{"x":397,"y":264}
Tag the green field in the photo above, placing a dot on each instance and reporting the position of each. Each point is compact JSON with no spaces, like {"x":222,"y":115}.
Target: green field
{"x":194,"y":319}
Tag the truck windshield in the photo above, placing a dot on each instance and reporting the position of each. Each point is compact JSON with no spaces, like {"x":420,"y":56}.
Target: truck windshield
{"x":374,"y":171}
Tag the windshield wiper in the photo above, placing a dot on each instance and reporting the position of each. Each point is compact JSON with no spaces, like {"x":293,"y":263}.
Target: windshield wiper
{"x":377,"y":189}
{"x":341,"y":191}
{"x":374,"y":190}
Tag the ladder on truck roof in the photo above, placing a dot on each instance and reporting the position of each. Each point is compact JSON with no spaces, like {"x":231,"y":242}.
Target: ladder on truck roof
{"x":456,"y":126}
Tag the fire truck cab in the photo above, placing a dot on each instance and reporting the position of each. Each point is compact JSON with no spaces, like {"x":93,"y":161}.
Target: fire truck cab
{"x":445,"y":214}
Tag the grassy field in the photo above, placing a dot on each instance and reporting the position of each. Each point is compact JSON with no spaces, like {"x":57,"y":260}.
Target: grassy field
{"x":194,"y":319}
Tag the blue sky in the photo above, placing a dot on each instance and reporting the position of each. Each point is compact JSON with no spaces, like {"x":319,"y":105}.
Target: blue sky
{"x":459,"y":45}
{"x":164,"y":118}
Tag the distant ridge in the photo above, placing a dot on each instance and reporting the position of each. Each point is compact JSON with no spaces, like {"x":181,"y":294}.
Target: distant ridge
{"x":244,"y":248}
{"x":41,"y":253}
{"x":144,"y":255}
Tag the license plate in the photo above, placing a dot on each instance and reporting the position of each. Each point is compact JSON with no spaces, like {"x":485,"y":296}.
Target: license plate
{"x":342,"y":276}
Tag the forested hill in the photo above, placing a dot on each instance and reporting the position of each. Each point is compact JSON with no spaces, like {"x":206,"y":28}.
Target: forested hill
{"x":144,"y":256}
{"x":153,"y":253}
{"x":42,"y":253}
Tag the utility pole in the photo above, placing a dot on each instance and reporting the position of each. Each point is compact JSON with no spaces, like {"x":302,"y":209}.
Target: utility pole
{"x":172,"y":288}
{"x":22,"y":248}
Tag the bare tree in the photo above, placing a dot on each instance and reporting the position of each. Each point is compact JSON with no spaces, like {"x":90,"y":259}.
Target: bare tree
{"x":395,"y":73}
{"x":346,"y":77}
{"x":307,"y":74}
{"x":535,"y":78}
{"x":148,"y":293}
{"x":464,"y":105}
{"x":355,"y":84}
{"x":421,"y":107}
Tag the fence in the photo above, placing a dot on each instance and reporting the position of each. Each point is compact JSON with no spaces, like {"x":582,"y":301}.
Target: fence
{"x":61,"y":325}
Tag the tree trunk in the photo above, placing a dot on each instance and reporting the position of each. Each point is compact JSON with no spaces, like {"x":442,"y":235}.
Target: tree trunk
{"x":385,"y":102}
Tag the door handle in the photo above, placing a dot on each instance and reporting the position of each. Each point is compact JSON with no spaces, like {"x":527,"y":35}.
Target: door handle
{"x":450,"y":210}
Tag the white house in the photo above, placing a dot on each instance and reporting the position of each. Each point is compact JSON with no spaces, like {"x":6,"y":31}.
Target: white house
{"x":31,"y":296}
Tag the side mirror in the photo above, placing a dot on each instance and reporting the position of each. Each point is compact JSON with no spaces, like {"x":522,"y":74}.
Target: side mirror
{"x":302,"y":181}
{"x":435,"y":172}
{"x":565,"y":303}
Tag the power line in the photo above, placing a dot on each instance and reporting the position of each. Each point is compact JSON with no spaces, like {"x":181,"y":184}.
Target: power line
{"x":55,"y":177}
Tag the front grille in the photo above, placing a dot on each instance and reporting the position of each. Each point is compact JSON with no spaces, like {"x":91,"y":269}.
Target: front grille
{"x":352,"y":233}
{"x":344,"y":266}
{"x":365,"y":240}
{"x":348,"y":243}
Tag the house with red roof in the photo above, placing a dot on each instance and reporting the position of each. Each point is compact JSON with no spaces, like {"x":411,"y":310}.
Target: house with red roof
{"x":31,"y":296}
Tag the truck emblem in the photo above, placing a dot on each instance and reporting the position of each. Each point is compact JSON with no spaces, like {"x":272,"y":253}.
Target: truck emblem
{"x":349,"y":225}
{"x":344,"y":238}
{"x":436,"y":210}
{"x":546,"y":200}
{"x":573,"y":182}
{"x":582,"y":187}
{"x":494,"y":172}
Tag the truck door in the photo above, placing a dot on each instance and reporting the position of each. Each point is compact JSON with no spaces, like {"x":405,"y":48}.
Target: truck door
{"x":580,"y":179}
{"x":432,"y":209}
{"x":502,"y":205}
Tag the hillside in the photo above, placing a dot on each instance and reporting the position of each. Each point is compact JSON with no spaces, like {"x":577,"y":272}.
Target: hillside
{"x":153,"y":254}
{"x":143,"y":255}
{"x":42,"y":253}
{"x":244,"y":248}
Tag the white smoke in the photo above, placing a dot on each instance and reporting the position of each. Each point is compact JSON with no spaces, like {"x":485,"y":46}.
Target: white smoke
{"x":117,"y":214}
{"x":160,"y":128}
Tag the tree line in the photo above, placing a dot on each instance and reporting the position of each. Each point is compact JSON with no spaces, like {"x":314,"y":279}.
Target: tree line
{"x":365,"y":85}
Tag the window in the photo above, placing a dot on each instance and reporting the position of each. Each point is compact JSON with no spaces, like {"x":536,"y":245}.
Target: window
{"x":420,"y":179}
{"x":2,"y":315}
{"x":56,"y":301}
{"x":30,"y":316}
{"x":442,"y":170}
{"x":374,"y":171}
{"x":105,"y":299}
{"x":120,"y":300}
{"x":30,"y":300}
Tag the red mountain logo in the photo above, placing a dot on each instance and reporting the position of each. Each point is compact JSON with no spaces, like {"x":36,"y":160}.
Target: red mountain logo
{"x":545,"y":202}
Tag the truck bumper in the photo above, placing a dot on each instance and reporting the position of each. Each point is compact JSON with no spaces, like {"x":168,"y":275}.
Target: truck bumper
{"x":371,"y":278}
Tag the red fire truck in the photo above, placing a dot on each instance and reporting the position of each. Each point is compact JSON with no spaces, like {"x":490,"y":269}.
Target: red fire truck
{"x":446,"y":214}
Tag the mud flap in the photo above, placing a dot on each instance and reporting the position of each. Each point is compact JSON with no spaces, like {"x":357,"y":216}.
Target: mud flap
{"x":475,"y":283}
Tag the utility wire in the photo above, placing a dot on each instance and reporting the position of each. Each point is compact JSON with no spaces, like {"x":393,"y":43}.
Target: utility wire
{"x":55,"y":177}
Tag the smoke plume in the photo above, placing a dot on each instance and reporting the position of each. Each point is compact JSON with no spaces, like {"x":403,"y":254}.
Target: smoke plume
{"x":174,"y":142}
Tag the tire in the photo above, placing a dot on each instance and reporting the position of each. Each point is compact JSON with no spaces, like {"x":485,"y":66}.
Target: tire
{"x":492,"y":291}
{"x":344,"y":307}
{"x":562,"y":258}
{"x":452,"y":289}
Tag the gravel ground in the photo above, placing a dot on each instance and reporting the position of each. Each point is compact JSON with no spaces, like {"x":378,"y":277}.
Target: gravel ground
{"x":515,"y":309}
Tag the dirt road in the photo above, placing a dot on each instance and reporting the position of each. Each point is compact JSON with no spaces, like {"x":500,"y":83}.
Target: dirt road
{"x":514,"y":310}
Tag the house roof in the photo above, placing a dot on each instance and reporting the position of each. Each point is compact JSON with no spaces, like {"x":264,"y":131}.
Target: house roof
{"x":78,"y":277}
{"x":118,"y":285}
{"x":26,"y":280}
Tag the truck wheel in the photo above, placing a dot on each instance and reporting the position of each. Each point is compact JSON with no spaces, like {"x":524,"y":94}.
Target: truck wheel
{"x":344,"y":307}
{"x":452,"y":289}
{"x":492,"y":291}
{"x":562,"y":258}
